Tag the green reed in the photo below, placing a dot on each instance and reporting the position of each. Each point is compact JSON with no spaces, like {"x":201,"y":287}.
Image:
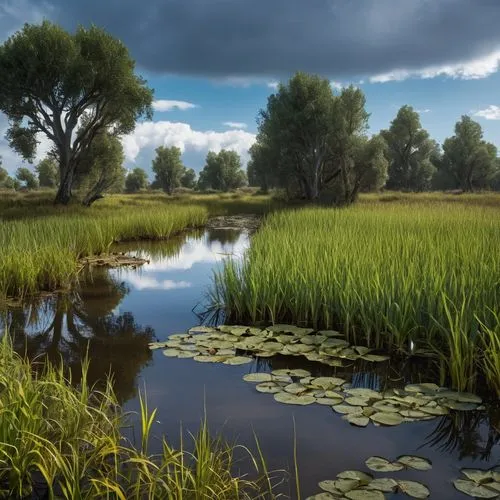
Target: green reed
{"x":64,"y":442}
{"x":42,"y":252}
{"x":386,"y":274}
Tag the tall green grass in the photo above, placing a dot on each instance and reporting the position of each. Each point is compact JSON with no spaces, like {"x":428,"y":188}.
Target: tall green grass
{"x":61,"y":441}
{"x":386,"y":274}
{"x":42,"y":252}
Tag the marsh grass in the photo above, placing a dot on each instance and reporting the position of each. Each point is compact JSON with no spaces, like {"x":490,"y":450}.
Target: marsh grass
{"x":61,"y":441}
{"x":386,"y":274}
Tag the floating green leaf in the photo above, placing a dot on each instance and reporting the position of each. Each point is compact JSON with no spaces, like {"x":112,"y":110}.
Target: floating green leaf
{"x":292,"y":399}
{"x":357,"y":420}
{"x":269,"y":388}
{"x":414,"y":489}
{"x":360,"y":476}
{"x":387,"y":418}
{"x":364,"y":393}
{"x":413,"y":462}
{"x":171,"y":353}
{"x":329,"y":485}
{"x":385,"y":484}
{"x":292,"y":373}
{"x":257,"y":377}
{"x":364,"y":494}
{"x":474,"y":490}
{"x":347,"y":409}
{"x":238,"y":360}
{"x":380,"y":464}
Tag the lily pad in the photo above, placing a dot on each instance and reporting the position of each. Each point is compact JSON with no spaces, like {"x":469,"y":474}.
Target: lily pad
{"x":269,"y":388}
{"x":380,"y":464}
{"x":187,"y":354}
{"x":238,"y":360}
{"x":413,"y":462}
{"x":327,"y":382}
{"x":474,"y":490}
{"x":292,"y":373}
{"x":459,"y":406}
{"x":295,"y":388}
{"x":171,"y":353}
{"x":329,"y":485}
{"x":434,"y":410}
{"x":292,"y":399}
{"x":345,"y":485}
{"x":425,"y":388}
{"x":363,"y":494}
{"x":201,"y":329}
{"x":385,"y":484}
{"x":328,"y":401}
{"x":208,"y":359}
{"x":257,"y":377}
{"x":364,"y":393}
{"x":355,"y":401}
{"x":363,"y":477}
{"x":347,"y":409}
{"x":357,"y":420}
{"x":322,"y":496}
{"x":414,"y":489}
{"x":477,"y":475}
{"x":375,"y":358}
{"x":385,"y":418}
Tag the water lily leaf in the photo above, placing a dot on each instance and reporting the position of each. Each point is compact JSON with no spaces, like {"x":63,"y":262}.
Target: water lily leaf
{"x":414,"y":414}
{"x":347,"y":409}
{"x":330,"y":333}
{"x":329,"y":485}
{"x":334,"y":342}
{"x":462,"y":397}
{"x":201,"y":329}
{"x":292,"y":399}
{"x":295,"y":388}
{"x":238,"y":330}
{"x":328,"y":401}
{"x":262,"y":354}
{"x":364,"y":393}
{"x":385,"y":407}
{"x":368,"y":411}
{"x":253,"y":330}
{"x":385,"y":484}
{"x":477,"y":475}
{"x":322,"y":496}
{"x":363,"y":477}
{"x":331,"y":362}
{"x":257,"y":377}
{"x":355,"y":401}
{"x":361,"y":350}
{"x":282,"y":379}
{"x":327,"y":382}
{"x":269,"y":387}
{"x":300,"y":348}
{"x":157,"y":345}
{"x":375,"y":358}
{"x":333,"y":395}
{"x":474,"y":490}
{"x":226,"y":352}
{"x":413,"y":462}
{"x":363,"y":494}
{"x":292,"y":373}
{"x":457,"y":405}
{"x":387,"y":418}
{"x":272,"y":347}
{"x":187,"y":354}
{"x":238,"y":360}
{"x":209,"y":359}
{"x":313,"y":339}
{"x":348,"y":354}
{"x":345,"y":485}
{"x":286,"y":339}
{"x":425,"y":388}
{"x":414,"y":489}
{"x":380,"y":464}
{"x":171,"y":353}
{"x":357,"y":420}
{"x":434,"y":410}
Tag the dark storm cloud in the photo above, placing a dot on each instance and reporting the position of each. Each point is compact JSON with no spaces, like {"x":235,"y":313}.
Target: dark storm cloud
{"x":265,"y":38}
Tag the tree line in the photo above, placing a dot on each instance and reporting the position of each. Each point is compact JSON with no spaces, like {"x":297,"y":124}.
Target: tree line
{"x":314,"y":143}
{"x":81,"y":92}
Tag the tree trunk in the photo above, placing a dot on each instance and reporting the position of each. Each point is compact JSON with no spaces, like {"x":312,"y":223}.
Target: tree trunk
{"x":64,"y":194}
{"x":90,"y":198}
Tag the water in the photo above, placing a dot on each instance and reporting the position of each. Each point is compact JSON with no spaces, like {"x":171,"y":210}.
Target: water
{"x":116,"y":314}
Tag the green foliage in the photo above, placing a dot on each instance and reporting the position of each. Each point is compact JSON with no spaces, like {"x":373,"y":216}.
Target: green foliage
{"x":42,"y":253}
{"x":222,"y":171}
{"x":136,"y":180}
{"x":47,"y":173}
{"x":168,"y":168}
{"x":51,"y":79}
{"x":188,"y":179}
{"x":11,"y":183}
{"x":3,"y":175}
{"x":470,"y":160}
{"x":385,"y":274}
{"x":410,"y":152}
{"x":101,"y":167}
{"x":25,"y":175}
{"x":66,"y":440}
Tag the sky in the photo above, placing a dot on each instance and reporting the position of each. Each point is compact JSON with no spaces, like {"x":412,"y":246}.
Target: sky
{"x":213,"y":63}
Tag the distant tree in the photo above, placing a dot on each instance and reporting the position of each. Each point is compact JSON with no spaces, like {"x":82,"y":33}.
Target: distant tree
{"x":101,"y":168}
{"x":51,"y":79}
{"x":222,"y":171}
{"x":410,"y":152}
{"x":3,"y":174}
{"x":168,"y":168}
{"x":136,"y":180}
{"x":11,"y":183}
{"x":47,"y":173}
{"x":188,"y":179}
{"x":468,"y":158}
{"x":263,"y":167}
{"x":25,"y":175}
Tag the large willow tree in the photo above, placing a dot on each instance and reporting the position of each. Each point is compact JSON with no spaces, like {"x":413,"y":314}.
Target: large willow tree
{"x":71,"y":88}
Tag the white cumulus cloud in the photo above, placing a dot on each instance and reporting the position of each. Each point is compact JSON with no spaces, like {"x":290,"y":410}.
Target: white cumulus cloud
{"x":492,"y":112}
{"x":273,"y":85}
{"x":167,"y":105}
{"x":235,"y":124}
{"x":164,"y":133}
{"x":474,"y":69}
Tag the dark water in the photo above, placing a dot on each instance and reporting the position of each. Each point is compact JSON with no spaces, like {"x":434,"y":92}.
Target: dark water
{"x":114,"y":315}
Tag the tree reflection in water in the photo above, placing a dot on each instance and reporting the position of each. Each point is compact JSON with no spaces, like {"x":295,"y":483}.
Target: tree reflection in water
{"x":68,"y":325}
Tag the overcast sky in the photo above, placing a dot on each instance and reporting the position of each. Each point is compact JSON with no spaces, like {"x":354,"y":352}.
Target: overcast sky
{"x":213,"y":63}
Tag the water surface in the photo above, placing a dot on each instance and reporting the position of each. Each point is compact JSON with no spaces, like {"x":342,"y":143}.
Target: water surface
{"x":114,"y":315}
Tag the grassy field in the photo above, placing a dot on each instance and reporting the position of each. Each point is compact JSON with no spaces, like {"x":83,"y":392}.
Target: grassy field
{"x":40,"y":243}
{"x":416,"y":270}
{"x":58,"y":441}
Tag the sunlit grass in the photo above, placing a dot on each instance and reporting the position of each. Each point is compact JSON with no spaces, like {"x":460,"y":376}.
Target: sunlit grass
{"x":386,"y":274}
{"x":65,"y":442}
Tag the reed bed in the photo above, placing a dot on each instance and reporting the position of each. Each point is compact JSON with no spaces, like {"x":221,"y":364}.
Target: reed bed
{"x":62,"y":441}
{"x":389,"y":275}
{"x":41,"y":253}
